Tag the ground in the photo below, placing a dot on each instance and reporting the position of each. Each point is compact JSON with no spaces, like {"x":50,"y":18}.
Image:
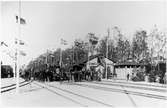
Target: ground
{"x":112,"y":93}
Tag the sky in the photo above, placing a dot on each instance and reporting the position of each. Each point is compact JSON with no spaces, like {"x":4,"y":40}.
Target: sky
{"x":48,"y":22}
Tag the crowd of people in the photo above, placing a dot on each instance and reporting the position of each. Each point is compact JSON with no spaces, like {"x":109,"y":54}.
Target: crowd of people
{"x":55,"y":73}
{"x":85,"y":74}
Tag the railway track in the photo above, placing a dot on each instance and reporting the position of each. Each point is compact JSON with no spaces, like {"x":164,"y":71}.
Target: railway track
{"x":13,"y":86}
{"x":132,"y":86}
{"x":54,"y":89}
{"x":131,"y":83}
{"x":122,"y":91}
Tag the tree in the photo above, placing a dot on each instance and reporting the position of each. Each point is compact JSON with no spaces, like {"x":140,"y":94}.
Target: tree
{"x":67,"y":58}
{"x":127,"y":49}
{"x":118,"y":49}
{"x":139,"y":45}
{"x":102,"y":48}
{"x":80,"y":50}
{"x":92,"y":44}
{"x":157,"y":47}
{"x":122,"y":48}
{"x":157,"y":41}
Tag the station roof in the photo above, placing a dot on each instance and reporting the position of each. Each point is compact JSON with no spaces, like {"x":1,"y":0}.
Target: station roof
{"x":96,"y":56}
{"x":129,"y":63}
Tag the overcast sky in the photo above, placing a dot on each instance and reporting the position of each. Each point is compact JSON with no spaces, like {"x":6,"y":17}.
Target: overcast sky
{"x":47,"y":22}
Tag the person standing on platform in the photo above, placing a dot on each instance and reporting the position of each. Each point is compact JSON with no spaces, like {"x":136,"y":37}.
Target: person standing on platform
{"x":127,"y":77}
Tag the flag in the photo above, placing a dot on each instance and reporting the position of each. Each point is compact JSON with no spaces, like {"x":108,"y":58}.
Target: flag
{"x":22,"y":53}
{"x":93,"y":39}
{"x":64,"y":42}
{"x":19,"y":41}
{"x":3,"y":43}
{"x":22,"y":21}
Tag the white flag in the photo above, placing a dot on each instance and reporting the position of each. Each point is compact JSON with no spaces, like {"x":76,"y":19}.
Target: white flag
{"x":64,"y":42}
{"x":20,"y":42}
{"x":22,"y":20}
{"x":22,"y":53}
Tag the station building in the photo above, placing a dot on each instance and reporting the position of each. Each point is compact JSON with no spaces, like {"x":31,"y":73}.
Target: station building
{"x":128,"y":67}
{"x":100,"y":62}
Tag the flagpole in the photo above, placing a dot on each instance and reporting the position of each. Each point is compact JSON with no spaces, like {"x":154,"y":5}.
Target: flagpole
{"x":88,"y":52}
{"x":17,"y":64}
{"x":73,"y":54}
{"x":107,"y":49}
{"x":0,"y":66}
{"x":0,"y":62}
{"x":16,"y":71}
{"x":60,"y":54}
{"x":60,"y":58}
{"x":0,"y":59}
{"x":46,"y":57}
